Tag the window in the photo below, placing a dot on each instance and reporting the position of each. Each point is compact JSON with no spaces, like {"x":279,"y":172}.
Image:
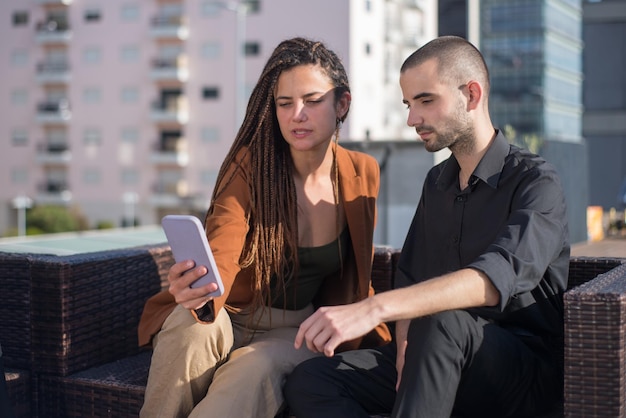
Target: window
{"x":20,"y":18}
{"x":130,"y":135}
{"x":91,"y":55}
{"x":19,"y":137}
{"x":211,"y":50}
{"x":210,"y":93}
{"x":253,"y":6}
{"x":19,"y":58}
{"x":208,"y":177}
{"x":129,"y":53}
{"x":19,"y":175}
{"x":91,"y":176}
{"x":92,"y":15}
{"x":91,"y":95}
{"x":130,"y":12}
{"x":210,"y":8}
{"x":252,"y":49}
{"x":130,"y":95}
{"x":210,"y":134}
{"x":19,"y":97}
{"x":170,"y":51}
{"x":92,"y":137}
{"x":129,"y":176}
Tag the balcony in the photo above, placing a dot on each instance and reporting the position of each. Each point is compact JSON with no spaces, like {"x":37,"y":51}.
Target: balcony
{"x":53,"y":31}
{"x":413,"y":4}
{"x":173,"y":110}
{"x":412,"y":39}
{"x":170,"y":69}
{"x":54,"y":2}
{"x":54,"y":192}
{"x":172,"y":152}
{"x":169,"y":27}
{"x":53,"y":153}
{"x":53,"y":72}
{"x":169,"y":194}
{"x":393,"y":35}
{"x":54,"y":111}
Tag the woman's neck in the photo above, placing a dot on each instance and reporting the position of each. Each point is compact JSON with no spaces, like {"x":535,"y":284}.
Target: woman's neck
{"x":312,"y":165}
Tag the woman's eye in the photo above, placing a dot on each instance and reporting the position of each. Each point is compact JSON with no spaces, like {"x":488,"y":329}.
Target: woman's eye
{"x":283,"y":104}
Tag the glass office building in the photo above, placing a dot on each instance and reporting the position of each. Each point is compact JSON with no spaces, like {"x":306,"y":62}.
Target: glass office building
{"x":534,"y":52}
{"x":604,"y":97}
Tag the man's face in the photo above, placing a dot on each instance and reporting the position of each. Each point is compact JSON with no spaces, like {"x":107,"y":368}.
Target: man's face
{"x":437,"y":110}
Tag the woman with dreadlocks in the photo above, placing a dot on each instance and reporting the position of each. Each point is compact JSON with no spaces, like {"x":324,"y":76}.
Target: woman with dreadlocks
{"x":291,"y":226}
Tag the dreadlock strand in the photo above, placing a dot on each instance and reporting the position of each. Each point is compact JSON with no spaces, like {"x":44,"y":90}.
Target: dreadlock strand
{"x":272,"y":245}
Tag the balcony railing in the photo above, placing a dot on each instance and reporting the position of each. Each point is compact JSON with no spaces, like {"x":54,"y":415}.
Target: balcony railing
{"x":171,"y":153}
{"x":171,"y":111}
{"x":53,"y":31}
{"x":169,"y":194}
{"x":54,"y":111}
{"x":170,"y":69}
{"x":53,"y":153}
{"x":54,"y":192}
{"x":54,"y":2}
{"x":165,"y":27}
{"x":417,"y":4}
{"x":53,"y":72}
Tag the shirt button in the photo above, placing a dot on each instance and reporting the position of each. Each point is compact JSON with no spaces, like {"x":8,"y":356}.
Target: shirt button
{"x":455,"y":239}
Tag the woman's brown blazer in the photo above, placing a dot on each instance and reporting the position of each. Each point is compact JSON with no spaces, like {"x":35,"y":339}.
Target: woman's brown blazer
{"x":227,"y":231}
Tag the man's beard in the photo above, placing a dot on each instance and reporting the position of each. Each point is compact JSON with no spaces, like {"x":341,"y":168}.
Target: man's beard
{"x":458,"y":135}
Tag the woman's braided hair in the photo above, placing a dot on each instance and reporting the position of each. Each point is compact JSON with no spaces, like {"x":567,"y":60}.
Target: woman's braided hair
{"x":272,"y":248}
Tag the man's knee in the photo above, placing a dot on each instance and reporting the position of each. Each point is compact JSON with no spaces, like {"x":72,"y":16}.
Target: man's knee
{"x":451,"y":327}
{"x":309,"y":377}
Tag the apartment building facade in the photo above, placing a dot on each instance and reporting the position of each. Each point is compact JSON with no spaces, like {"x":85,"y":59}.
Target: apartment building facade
{"x":125,"y":109}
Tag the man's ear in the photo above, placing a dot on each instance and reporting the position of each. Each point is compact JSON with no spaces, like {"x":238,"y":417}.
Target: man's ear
{"x":475,"y":94}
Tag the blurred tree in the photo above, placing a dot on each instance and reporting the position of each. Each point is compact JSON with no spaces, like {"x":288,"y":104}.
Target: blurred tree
{"x":531,"y":142}
{"x":48,"y":219}
{"x":105,"y":225}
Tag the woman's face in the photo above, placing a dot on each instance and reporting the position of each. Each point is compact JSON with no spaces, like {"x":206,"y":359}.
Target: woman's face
{"x":306,"y":108}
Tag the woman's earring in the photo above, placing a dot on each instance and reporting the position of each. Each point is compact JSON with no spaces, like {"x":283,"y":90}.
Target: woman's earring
{"x":338,"y":123}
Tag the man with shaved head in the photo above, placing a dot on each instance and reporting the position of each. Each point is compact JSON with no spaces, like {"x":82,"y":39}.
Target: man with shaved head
{"x":478,"y":289}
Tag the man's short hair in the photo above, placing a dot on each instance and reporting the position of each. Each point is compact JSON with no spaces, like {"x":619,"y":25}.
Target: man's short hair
{"x":458,"y":61}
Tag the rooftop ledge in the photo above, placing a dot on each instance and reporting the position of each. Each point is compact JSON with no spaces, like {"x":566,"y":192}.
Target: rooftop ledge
{"x":84,"y":242}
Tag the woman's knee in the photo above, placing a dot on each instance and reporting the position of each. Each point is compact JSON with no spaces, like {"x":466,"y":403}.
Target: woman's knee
{"x":182,"y":332}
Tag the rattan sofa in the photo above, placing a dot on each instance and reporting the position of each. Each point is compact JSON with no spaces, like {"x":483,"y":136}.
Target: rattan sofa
{"x":69,"y":331}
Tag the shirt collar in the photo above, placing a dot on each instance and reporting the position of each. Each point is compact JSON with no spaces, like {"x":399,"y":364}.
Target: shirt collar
{"x":488,"y":170}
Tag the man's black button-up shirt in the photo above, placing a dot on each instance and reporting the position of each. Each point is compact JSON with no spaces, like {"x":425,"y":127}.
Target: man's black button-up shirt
{"x":510,"y":223}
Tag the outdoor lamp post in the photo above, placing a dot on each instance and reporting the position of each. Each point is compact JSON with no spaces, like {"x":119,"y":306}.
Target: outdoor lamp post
{"x":130,"y":199}
{"x":240,"y":8}
{"x":21,"y":203}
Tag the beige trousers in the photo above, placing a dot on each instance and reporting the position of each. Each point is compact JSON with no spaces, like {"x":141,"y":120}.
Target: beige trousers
{"x":223,"y":369}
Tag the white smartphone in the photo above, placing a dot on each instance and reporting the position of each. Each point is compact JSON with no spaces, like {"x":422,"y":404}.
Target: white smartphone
{"x":188,"y":241}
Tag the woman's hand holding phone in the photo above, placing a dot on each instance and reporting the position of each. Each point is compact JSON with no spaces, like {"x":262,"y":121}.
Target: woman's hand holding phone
{"x":180,"y":278}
